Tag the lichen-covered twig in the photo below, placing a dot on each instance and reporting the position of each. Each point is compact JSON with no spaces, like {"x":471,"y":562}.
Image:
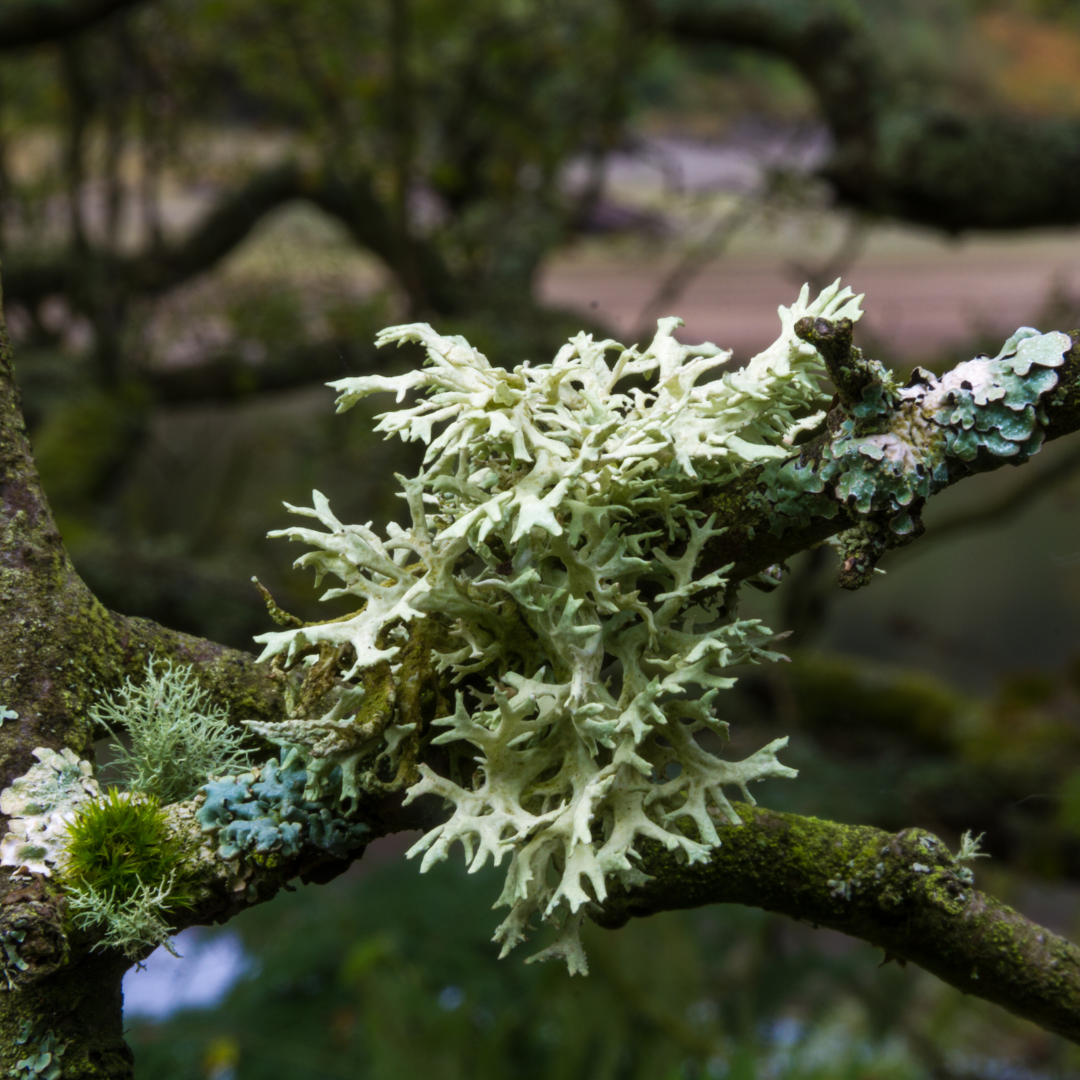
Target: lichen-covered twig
{"x":903,"y":892}
{"x":866,"y":474}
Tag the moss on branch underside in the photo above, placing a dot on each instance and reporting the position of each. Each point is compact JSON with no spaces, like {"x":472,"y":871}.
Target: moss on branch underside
{"x":862,"y":468}
{"x":903,"y":892}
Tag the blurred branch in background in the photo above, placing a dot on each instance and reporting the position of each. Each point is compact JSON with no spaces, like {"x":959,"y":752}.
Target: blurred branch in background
{"x":692,"y":261}
{"x":897,"y":152}
{"x":28,"y":23}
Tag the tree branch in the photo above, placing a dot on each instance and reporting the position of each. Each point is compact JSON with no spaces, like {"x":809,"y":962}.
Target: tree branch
{"x":79,"y":273}
{"x":902,"y":892}
{"x":31,"y":22}
{"x":58,"y":646}
{"x":916,"y":161}
{"x":761,"y":534}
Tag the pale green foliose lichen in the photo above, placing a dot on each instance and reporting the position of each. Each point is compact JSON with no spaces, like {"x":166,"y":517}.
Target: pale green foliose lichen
{"x":552,"y":540}
{"x":12,"y":964}
{"x":41,"y":804}
{"x":898,"y":446}
{"x":43,"y":1054}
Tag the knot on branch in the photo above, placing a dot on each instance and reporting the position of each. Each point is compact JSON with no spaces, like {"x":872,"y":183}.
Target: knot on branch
{"x":864,"y":387}
{"x":33,"y":943}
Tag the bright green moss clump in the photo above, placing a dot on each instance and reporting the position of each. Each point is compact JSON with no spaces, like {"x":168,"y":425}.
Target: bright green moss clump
{"x":119,"y":843}
{"x":124,"y":871}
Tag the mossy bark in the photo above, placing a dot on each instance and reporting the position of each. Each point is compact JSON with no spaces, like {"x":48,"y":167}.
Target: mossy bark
{"x":903,"y":892}
{"x":78,"y":1010}
{"x":58,"y":647}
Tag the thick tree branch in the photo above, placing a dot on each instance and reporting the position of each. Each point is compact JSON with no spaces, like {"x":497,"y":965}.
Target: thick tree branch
{"x":32,"y":22}
{"x":230,"y":674}
{"x":902,"y":892}
{"x":58,"y":646}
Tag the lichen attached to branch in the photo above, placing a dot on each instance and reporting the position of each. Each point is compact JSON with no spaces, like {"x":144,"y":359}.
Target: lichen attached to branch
{"x":889,"y":448}
{"x":554,"y":538}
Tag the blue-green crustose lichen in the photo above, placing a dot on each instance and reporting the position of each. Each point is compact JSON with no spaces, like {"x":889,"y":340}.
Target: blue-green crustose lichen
{"x":43,"y":1054}
{"x":898,"y":446}
{"x":264,"y":812}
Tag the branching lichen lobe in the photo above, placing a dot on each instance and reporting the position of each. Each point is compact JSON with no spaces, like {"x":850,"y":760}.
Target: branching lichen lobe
{"x":554,"y":502}
{"x":555,"y":542}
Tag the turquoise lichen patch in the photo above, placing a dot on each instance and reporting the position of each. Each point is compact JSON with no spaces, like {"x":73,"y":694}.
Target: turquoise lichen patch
{"x":43,"y":1054}
{"x":895,"y":448}
{"x":264,"y":812}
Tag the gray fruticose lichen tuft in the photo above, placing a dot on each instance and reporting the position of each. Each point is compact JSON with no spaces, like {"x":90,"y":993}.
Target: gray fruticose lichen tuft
{"x":176,"y":736}
{"x":551,"y":536}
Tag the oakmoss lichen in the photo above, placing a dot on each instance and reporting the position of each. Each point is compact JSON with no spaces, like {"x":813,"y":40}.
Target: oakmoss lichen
{"x":555,"y":541}
{"x":552,"y":541}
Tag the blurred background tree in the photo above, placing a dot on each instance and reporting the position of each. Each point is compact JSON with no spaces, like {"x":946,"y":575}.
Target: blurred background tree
{"x":208,"y":207}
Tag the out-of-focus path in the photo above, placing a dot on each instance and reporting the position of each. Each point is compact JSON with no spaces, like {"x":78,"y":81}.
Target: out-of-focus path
{"x":924,"y":291}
